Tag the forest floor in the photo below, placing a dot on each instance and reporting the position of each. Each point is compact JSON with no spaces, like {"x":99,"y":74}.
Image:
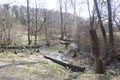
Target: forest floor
{"x":27,"y":66}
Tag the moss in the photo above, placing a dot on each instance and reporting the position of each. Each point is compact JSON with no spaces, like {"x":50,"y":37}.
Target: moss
{"x":11,"y":70}
{"x":2,"y":55}
{"x":25,"y":71}
{"x":53,"y":67}
{"x":43,"y":63}
{"x":111,"y":72}
{"x":36,"y":72}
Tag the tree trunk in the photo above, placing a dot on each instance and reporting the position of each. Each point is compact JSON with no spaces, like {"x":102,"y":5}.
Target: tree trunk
{"x":46,"y":35}
{"x":36,"y":22}
{"x":28,"y":17}
{"x":100,"y":21}
{"x":66,"y":64}
{"x":111,"y":39}
{"x":96,"y":52}
{"x":35,"y":41}
{"x":106,"y":50}
{"x":61,"y":16}
{"x":95,"y":44}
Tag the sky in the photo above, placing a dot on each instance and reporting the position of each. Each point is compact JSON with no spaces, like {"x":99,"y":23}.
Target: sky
{"x":50,"y":4}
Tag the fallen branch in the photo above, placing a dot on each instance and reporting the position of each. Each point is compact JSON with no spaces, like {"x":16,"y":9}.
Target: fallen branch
{"x":66,"y":64}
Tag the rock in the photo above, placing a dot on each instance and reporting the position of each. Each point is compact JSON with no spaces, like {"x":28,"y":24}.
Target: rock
{"x":15,"y":52}
{"x":2,"y":50}
{"x":31,"y":53}
{"x":38,"y":51}
{"x":48,"y":44}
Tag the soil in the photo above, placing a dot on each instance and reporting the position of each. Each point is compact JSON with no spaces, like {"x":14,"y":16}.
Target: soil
{"x":26,"y":66}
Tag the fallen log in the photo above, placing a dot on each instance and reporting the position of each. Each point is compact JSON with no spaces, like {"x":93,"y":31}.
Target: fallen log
{"x":66,"y":64}
{"x":26,"y":46}
{"x":21,"y":47}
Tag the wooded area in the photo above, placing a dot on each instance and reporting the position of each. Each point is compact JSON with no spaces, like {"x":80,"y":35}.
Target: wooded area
{"x":84,"y":45}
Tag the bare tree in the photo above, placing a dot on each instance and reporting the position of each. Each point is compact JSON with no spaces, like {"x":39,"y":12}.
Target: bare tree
{"x":28,"y":21}
{"x":61,"y":17}
{"x":6,"y":24}
{"x":111,"y":39}
{"x":74,"y":3}
{"x":46,"y":35}
{"x":36,"y":25}
{"x":106,"y":49}
{"x":95,"y":43}
{"x":65,"y":16}
{"x":100,"y":21}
